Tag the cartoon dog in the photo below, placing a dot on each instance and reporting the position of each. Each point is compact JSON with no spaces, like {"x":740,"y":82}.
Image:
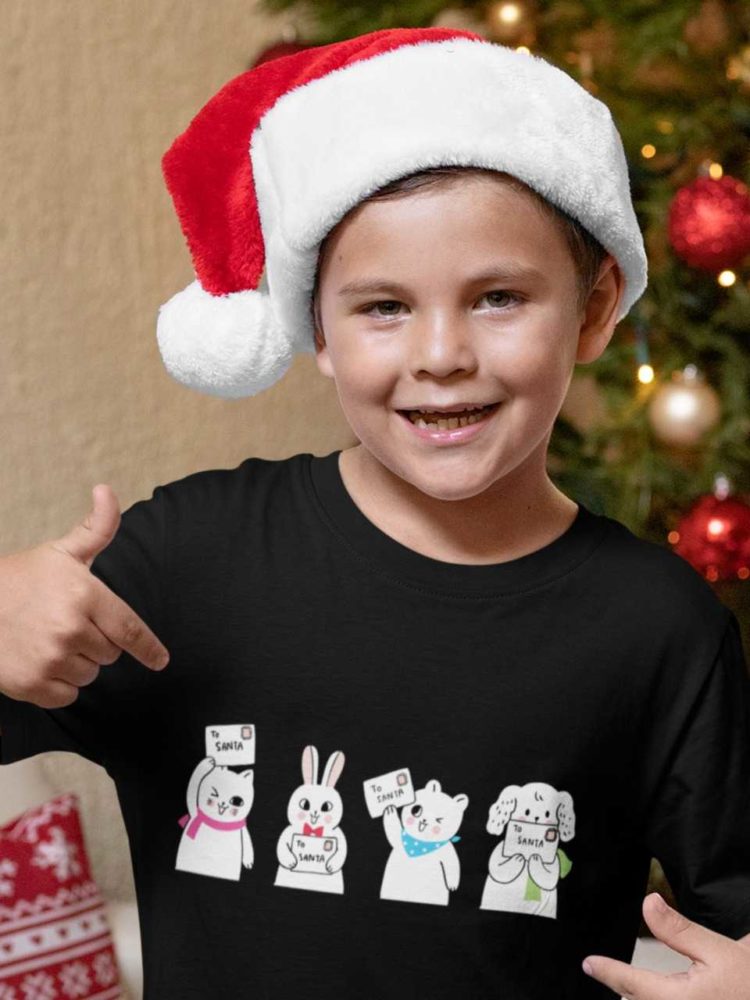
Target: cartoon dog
{"x":526,"y":865}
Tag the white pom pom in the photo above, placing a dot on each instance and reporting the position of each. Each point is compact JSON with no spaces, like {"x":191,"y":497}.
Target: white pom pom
{"x":225,"y":345}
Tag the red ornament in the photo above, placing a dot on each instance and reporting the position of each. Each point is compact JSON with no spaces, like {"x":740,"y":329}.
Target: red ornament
{"x":714,"y":537}
{"x":709,"y":223}
{"x":278,"y":50}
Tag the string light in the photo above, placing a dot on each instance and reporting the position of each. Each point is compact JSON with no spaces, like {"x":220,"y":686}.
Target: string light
{"x":508,"y":13}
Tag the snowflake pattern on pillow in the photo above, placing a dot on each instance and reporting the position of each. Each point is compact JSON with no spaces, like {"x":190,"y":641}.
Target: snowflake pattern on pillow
{"x":55,"y":938}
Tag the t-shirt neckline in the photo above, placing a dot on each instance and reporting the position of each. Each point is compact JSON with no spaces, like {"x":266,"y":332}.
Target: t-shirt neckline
{"x":387,"y":555}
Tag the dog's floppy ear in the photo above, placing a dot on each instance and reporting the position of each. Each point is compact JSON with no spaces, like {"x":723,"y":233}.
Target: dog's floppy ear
{"x":501,"y":810}
{"x":566,"y":816}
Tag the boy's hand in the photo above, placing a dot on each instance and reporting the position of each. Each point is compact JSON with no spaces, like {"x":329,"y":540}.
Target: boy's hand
{"x":720,"y":969}
{"x":58,"y":622}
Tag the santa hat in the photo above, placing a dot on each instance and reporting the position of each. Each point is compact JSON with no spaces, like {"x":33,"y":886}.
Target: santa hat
{"x":284,"y":150}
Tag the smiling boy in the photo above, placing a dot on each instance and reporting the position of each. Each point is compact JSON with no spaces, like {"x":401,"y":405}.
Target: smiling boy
{"x":520,"y":702}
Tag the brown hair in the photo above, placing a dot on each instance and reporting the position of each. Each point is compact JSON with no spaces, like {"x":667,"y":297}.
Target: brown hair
{"x":586,"y":251}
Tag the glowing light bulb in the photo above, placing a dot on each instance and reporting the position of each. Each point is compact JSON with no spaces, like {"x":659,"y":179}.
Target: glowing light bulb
{"x":509,"y":13}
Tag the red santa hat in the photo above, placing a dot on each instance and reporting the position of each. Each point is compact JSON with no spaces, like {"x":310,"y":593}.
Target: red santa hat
{"x":284,"y":150}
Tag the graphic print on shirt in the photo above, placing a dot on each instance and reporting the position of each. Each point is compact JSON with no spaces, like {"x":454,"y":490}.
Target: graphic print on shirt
{"x":527,"y":864}
{"x":215,"y":840}
{"x":423,"y":865}
{"x":312,"y":848}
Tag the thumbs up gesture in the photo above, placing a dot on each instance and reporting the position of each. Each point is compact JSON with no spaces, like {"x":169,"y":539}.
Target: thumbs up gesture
{"x":58,"y":622}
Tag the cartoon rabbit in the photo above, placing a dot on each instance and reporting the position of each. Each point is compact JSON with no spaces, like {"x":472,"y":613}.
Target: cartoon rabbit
{"x":312,"y":848}
{"x":215,"y":840}
{"x":534,"y":817}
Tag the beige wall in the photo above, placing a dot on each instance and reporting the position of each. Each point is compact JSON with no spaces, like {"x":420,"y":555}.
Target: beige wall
{"x":94,"y":92}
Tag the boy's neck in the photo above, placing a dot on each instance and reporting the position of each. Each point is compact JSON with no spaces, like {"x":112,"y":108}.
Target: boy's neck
{"x":523,"y":512}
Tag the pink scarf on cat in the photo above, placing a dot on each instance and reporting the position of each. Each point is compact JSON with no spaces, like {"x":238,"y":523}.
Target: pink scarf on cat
{"x":201,"y":817}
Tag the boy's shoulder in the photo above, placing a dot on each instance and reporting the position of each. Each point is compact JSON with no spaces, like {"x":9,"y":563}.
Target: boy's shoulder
{"x":205,"y":489}
{"x":656,"y":584}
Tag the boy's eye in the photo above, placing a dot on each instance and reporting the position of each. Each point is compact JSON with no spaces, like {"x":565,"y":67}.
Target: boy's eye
{"x":510,"y":295}
{"x":371,"y":309}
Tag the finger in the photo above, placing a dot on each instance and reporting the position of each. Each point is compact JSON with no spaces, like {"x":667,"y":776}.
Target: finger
{"x":122,"y":626}
{"x":79,"y":671}
{"x":92,"y":644}
{"x":633,"y":983}
{"x":680,"y":933}
{"x":57,"y":693}
{"x":95,"y":645}
{"x":86,"y":539}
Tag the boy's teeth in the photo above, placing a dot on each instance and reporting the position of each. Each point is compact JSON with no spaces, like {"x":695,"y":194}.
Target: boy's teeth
{"x":447,"y":423}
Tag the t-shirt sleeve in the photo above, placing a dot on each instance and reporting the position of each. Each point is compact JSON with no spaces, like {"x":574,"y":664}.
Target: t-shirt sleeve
{"x":102,"y":723}
{"x":697,"y":816}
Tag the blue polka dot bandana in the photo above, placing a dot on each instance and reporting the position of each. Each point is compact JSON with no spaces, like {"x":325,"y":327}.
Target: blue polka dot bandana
{"x":415,"y":847}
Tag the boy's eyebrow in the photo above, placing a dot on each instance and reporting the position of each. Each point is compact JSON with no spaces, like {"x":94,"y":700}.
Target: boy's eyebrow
{"x":505,"y":271}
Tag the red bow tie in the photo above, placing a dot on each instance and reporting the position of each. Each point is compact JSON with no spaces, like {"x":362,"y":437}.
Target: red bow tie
{"x":312,"y":831}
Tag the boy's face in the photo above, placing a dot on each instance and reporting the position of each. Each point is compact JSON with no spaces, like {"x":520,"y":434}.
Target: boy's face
{"x":438,"y":334}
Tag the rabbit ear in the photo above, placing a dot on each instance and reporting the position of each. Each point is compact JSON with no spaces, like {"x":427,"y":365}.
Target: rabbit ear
{"x":310,"y":765}
{"x":333,"y":769}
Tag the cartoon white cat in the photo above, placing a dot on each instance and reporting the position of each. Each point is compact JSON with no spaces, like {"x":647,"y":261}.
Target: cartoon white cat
{"x":526,"y":865}
{"x":215,"y":839}
{"x":312,"y":848}
{"x":423,"y":865}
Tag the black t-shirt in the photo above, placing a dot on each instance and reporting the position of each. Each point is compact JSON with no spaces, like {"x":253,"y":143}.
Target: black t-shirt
{"x":366,"y":772}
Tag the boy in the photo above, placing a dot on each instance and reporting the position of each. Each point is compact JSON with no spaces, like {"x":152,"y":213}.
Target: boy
{"x":517,"y":701}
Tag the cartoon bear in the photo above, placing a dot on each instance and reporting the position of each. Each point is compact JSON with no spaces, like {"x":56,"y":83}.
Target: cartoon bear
{"x":215,"y":839}
{"x":423,"y":865}
{"x":526,"y":865}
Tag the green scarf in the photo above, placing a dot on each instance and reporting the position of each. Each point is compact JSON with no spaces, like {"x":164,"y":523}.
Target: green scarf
{"x":532,"y":889}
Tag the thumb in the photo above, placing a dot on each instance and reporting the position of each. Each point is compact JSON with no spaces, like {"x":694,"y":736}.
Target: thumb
{"x":678,"y":932}
{"x":86,"y":540}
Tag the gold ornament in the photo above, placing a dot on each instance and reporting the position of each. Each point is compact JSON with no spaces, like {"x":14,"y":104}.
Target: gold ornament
{"x":684,"y":408}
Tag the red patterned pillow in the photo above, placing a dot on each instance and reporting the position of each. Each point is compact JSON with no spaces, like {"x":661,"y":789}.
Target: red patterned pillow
{"x":55,"y":940}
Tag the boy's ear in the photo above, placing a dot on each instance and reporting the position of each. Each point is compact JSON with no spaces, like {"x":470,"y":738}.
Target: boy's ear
{"x":600,"y":315}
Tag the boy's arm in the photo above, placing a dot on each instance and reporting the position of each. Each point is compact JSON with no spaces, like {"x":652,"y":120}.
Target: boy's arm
{"x":696,"y":819}
{"x":102,"y":724}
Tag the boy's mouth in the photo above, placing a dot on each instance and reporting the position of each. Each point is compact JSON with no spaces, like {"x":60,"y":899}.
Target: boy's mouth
{"x":449,"y":419}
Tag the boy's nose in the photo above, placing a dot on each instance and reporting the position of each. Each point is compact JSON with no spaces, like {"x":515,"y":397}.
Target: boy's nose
{"x":440,"y":345}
